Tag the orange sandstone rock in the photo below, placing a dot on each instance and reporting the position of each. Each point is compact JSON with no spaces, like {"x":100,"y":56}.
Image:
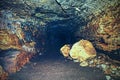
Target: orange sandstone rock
{"x":82,"y":50}
{"x":65,"y":50}
{"x":8,"y":40}
{"x":104,"y":30}
{"x":3,"y":74}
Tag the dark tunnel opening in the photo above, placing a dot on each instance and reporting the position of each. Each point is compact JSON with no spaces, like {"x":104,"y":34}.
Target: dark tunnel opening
{"x":59,"y":34}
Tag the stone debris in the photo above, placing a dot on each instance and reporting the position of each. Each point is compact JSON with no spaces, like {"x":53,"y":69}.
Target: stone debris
{"x":76,"y":60}
{"x":108,"y":77}
{"x":84,"y":63}
{"x":29,"y":47}
{"x":111,"y":68}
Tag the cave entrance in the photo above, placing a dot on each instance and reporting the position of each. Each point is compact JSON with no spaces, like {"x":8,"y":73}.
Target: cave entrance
{"x":59,"y":33}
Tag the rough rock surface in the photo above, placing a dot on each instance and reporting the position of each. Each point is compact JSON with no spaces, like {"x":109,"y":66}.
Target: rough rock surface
{"x":82,"y":50}
{"x":104,"y":30}
{"x":38,"y":13}
{"x":8,"y":40}
{"x":65,"y":50}
{"x":13,"y":60}
{"x":3,"y":74}
{"x":49,"y":10}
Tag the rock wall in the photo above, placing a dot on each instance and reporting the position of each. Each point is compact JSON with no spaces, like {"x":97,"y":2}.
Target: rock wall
{"x":3,"y":74}
{"x":13,"y":60}
{"x":19,"y":33}
{"x":8,"y":41}
{"x":49,"y":10}
{"x":103,"y":30}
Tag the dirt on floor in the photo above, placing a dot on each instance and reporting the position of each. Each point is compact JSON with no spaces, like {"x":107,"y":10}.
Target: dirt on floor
{"x":56,"y":68}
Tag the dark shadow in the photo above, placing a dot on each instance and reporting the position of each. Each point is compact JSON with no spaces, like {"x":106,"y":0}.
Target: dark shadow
{"x":59,"y":33}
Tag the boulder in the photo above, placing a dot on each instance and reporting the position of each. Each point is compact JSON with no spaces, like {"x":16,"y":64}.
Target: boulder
{"x":65,"y":50}
{"x":82,"y":50}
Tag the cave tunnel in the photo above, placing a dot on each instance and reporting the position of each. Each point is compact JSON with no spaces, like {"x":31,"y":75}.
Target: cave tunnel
{"x":59,"y":33}
{"x":59,"y":40}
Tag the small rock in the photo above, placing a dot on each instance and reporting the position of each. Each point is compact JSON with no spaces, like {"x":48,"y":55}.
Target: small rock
{"x":34,"y":64}
{"x":108,"y":77}
{"x":118,"y":73}
{"x":75,"y":60}
{"x":91,"y":62}
{"x":84,"y":63}
{"x":113,"y":72}
{"x":65,"y":50}
{"x":113,"y":67}
{"x":98,"y":66}
{"x":103,"y":66}
{"x":107,"y":71}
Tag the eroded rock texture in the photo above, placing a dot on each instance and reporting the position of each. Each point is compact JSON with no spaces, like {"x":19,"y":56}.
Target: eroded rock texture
{"x":101,"y":18}
{"x":14,"y":60}
{"x":65,"y":50}
{"x":8,"y":41}
{"x":104,"y":30}
{"x":3,"y":74}
{"x":82,"y":50}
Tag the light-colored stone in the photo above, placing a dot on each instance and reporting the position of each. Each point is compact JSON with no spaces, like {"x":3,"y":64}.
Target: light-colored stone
{"x":108,"y":77}
{"x":75,"y":60}
{"x":65,"y":50}
{"x":82,"y":50}
{"x":84,"y":63}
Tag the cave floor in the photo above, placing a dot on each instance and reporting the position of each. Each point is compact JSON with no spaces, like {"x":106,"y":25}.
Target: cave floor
{"x":56,"y":68}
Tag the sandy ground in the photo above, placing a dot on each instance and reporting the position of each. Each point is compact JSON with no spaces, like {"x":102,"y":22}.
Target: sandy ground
{"x":56,"y":68}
